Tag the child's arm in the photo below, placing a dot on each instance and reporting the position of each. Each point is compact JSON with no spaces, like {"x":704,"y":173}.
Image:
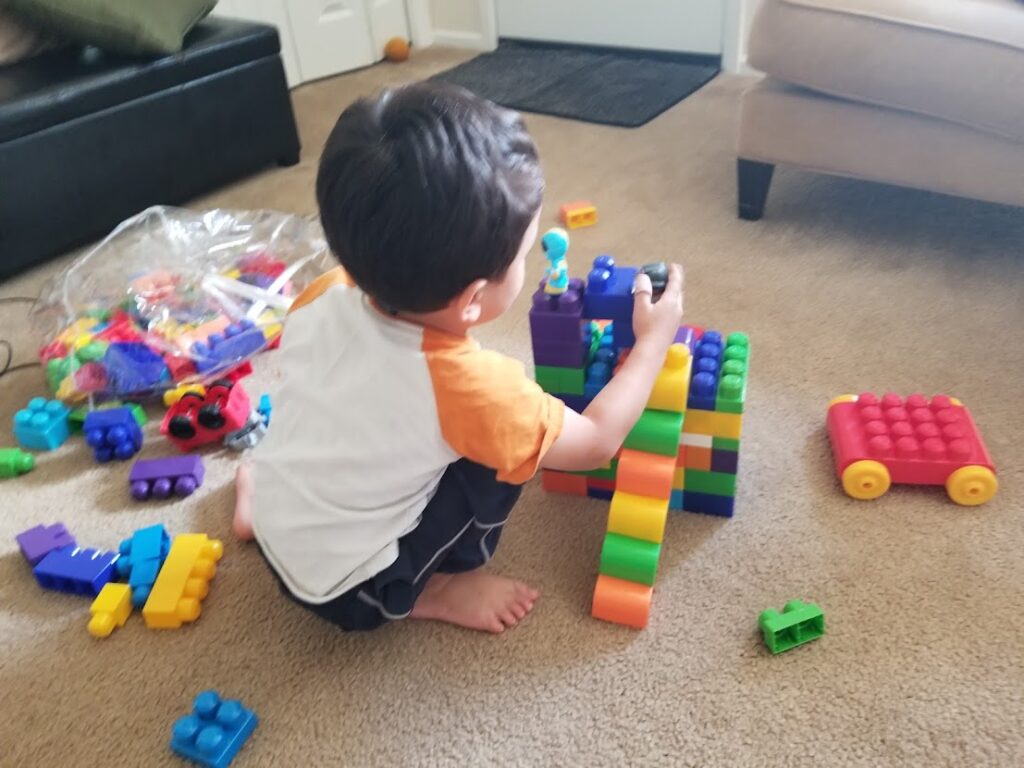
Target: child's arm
{"x":590,"y":439}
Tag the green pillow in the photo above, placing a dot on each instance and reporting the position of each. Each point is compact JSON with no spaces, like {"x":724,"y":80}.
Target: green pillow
{"x":123,"y":26}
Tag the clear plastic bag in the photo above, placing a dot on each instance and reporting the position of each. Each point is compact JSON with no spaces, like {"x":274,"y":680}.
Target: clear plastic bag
{"x":173,"y":297}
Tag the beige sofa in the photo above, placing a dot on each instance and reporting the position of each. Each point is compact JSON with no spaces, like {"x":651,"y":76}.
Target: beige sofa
{"x":919,"y":93}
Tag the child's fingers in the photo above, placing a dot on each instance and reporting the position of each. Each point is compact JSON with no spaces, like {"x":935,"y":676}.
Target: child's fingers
{"x":642,"y":290}
{"x":674,"y":287}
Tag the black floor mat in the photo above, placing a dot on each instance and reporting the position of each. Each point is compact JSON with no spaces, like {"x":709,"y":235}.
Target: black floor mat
{"x":625,"y":88}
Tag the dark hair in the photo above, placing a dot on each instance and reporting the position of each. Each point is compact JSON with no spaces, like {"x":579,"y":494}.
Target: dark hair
{"x":424,"y":189}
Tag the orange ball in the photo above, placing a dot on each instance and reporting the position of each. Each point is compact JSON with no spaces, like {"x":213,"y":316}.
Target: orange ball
{"x":397,"y":49}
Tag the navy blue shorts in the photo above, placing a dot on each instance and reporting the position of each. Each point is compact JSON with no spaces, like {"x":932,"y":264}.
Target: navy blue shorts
{"x":459,"y":531}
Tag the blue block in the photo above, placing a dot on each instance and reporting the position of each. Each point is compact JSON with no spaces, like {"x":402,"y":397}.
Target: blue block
{"x":77,"y":570}
{"x":214,"y":732}
{"x":598,"y":375}
{"x":265,"y":408}
{"x":225,"y":350}
{"x":600,"y":493}
{"x":577,"y":402}
{"x":708,"y":503}
{"x":42,"y":425}
{"x":609,"y":296}
{"x":133,"y":367}
{"x":141,"y":558}
{"x":112,"y":433}
{"x":676,"y":500}
{"x":707,"y":364}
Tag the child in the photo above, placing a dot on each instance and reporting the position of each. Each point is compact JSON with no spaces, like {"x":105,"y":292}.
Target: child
{"x":399,"y":446}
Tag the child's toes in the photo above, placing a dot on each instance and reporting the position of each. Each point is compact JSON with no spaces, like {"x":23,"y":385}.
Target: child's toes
{"x":508,"y":618}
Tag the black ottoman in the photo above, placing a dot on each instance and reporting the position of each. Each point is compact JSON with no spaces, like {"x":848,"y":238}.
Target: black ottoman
{"x":86,"y":141}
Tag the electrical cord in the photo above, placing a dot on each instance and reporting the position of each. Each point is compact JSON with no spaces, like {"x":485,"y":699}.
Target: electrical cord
{"x":5,"y":345}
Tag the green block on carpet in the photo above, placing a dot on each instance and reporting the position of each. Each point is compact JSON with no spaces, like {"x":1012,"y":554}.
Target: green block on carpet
{"x":725,"y":444}
{"x":798,"y":623}
{"x":716,"y":483}
{"x":630,"y":559}
{"x":656,"y":432}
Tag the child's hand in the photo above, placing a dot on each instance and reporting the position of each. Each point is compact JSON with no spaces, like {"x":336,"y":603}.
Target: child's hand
{"x":657,"y":323}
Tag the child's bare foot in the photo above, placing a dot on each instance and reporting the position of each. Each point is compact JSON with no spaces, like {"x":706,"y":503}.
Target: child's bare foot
{"x":243,"y":503}
{"x":475,"y":600}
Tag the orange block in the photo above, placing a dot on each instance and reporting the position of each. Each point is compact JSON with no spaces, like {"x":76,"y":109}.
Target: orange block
{"x":579,"y":214}
{"x":698,"y":458}
{"x":622,"y":602}
{"x":645,"y":474}
{"x":681,"y":458}
{"x":563,"y":482}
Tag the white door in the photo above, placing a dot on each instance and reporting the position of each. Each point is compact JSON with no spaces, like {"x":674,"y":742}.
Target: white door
{"x":331,"y":36}
{"x":271,"y":12}
{"x":690,"y":26}
{"x":387,"y":20}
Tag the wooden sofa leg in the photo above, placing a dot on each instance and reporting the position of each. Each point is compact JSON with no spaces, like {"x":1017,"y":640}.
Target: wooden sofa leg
{"x":753,"y":180}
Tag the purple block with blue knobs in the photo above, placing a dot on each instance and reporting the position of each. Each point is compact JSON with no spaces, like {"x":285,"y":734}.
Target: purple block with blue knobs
{"x":36,"y":543}
{"x":112,"y":433}
{"x":707,"y":363}
{"x":133,"y":367}
{"x":215,"y":730}
{"x":140,"y":560}
{"x":609,"y":296}
{"x":556,"y":319}
{"x":159,"y":478}
{"x":76,"y":570}
{"x":42,"y":425}
{"x":224,"y":350}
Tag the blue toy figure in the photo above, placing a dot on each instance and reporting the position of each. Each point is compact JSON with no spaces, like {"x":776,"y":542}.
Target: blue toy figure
{"x":556,"y":278}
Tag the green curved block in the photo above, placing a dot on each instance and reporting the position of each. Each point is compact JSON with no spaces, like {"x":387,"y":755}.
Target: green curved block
{"x":798,"y":623}
{"x":630,"y":559}
{"x":656,"y":432}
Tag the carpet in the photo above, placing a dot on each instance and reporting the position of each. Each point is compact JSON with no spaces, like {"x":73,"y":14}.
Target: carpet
{"x":612,"y":87}
{"x":844,"y":286}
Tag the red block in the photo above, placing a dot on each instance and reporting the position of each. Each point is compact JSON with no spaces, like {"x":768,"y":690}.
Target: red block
{"x":563,"y":482}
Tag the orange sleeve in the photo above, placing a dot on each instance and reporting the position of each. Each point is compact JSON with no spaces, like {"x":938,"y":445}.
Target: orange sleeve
{"x":319,"y":286}
{"x":490,"y":412}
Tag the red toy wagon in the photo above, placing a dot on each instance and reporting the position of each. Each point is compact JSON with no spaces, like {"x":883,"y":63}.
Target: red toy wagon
{"x":917,"y":441}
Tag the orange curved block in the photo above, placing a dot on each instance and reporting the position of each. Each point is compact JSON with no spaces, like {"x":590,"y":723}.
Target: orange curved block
{"x":622,"y":602}
{"x":645,"y":474}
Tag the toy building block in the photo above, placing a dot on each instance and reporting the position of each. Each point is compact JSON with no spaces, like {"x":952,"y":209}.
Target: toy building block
{"x":215,"y":730}
{"x":159,"y":478}
{"x":645,"y":474}
{"x":673,"y":383}
{"x":600,"y":489}
{"x":558,"y":381}
{"x":724,"y":461}
{"x":563,"y":482}
{"x":14,"y":462}
{"x":621,"y":602}
{"x":171,"y":396}
{"x":798,"y":623}
{"x":113,"y":433}
{"x":697,"y":458}
{"x":581,"y":213}
{"x":717,"y":483}
{"x":36,"y":543}
{"x":42,"y":425}
{"x":110,"y":609}
{"x":713,"y":423}
{"x":609,"y":296}
{"x":184,"y":581}
{"x":656,"y":432}
{"x":707,"y":503}
{"x":132,"y":367}
{"x":639,"y":517}
{"x":265,"y":408}
{"x":556,"y":319}
{"x":732,"y":386}
{"x":916,"y":441}
{"x":707,"y":362}
{"x":140,"y":560}
{"x":224,"y":349}
{"x":76,"y":570}
{"x":249,"y":436}
{"x":631,"y":559}
{"x":200,"y":419}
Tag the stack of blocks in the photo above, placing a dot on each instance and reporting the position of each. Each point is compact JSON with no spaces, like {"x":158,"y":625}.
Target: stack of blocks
{"x":683,"y":452}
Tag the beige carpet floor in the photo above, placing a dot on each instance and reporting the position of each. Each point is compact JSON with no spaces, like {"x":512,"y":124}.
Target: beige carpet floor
{"x":845,"y":286}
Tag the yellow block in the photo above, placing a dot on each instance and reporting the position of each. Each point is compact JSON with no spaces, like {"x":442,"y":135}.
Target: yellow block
{"x":672,"y":386}
{"x":713,"y":423}
{"x":183,"y":582}
{"x":638,"y":516}
{"x":110,"y":609}
{"x":171,"y":396}
{"x":679,"y":479}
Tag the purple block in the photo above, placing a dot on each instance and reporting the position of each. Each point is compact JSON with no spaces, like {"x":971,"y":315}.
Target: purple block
{"x":568,"y":355}
{"x":609,"y":296}
{"x":685,"y":335}
{"x":36,"y":543}
{"x":159,"y":478}
{"x":76,"y":570}
{"x":724,"y":461}
{"x":556,"y":319}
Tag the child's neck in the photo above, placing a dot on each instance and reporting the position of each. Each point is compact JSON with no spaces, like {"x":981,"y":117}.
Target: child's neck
{"x":443,"y":320}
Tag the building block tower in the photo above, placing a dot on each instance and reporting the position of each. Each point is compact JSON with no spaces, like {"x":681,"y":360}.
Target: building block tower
{"x":683,"y":452}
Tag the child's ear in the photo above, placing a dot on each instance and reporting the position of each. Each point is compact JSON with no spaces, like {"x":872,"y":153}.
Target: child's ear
{"x":470,"y":302}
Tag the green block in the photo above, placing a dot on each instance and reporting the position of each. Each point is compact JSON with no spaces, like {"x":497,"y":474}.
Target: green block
{"x":656,"y":432}
{"x":725,"y":444}
{"x":798,"y":623}
{"x":139,"y":413}
{"x":77,"y":417}
{"x":91,"y":352}
{"x":559,"y":381}
{"x":631,"y":559}
{"x":601,"y":474}
{"x":732,"y":385}
{"x":716,"y":483}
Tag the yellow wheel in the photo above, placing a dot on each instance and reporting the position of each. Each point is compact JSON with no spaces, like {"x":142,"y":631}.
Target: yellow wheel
{"x":971,"y":486}
{"x":842,"y":399}
{"x":866,"y":479}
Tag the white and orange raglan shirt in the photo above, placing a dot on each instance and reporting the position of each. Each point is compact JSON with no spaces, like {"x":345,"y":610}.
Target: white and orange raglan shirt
{"x":371,"y":412}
